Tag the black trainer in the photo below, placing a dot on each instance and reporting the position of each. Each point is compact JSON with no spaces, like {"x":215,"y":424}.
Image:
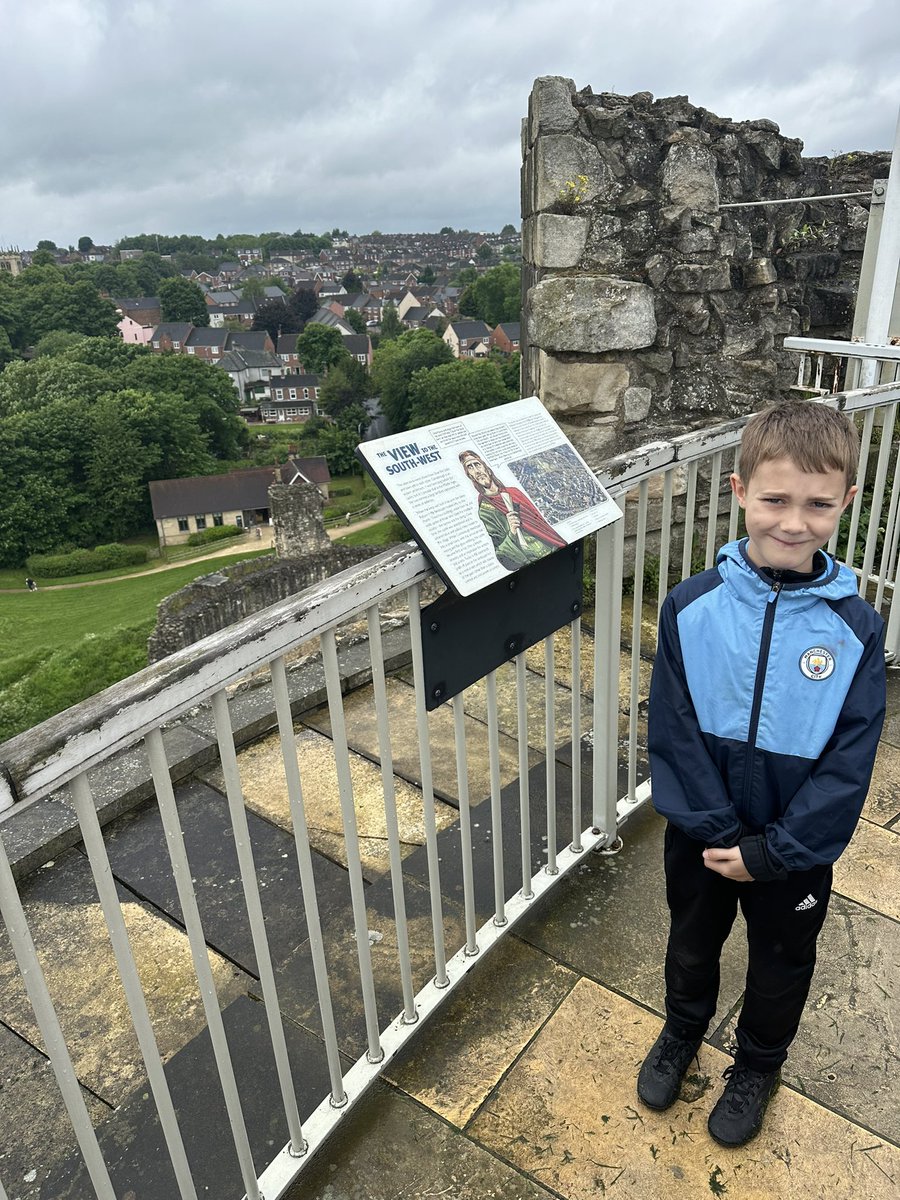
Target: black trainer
{"x":662,"y":1071}
{"x":739,"y":1111}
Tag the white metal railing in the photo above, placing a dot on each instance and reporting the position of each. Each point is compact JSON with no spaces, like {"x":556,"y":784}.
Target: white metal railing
{"x":665,"y":488}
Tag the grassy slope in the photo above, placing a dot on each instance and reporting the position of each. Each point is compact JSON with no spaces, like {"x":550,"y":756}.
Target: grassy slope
{"x":59,"y":647}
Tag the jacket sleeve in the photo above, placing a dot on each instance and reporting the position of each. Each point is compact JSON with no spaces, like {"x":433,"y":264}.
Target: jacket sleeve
{"x":820,"y":819}
{"x":687,"y":786}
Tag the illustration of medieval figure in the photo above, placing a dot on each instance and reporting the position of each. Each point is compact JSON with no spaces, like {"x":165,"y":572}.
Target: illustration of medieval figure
{"x":519,"y":533}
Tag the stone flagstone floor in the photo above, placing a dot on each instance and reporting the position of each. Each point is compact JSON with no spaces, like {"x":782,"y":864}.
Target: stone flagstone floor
{"x":523,"y":1085}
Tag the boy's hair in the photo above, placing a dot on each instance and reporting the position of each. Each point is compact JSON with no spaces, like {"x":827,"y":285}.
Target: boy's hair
{"x":814,"y":437}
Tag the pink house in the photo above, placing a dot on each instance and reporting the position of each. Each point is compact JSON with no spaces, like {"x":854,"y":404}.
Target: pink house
{"x":134,"y":332}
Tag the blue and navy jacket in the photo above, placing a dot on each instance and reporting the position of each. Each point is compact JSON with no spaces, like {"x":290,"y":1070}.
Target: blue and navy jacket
{"x":766,"y":706}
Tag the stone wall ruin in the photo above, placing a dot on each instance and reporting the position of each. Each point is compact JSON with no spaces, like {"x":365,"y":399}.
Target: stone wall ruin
{"x":650,"y":309}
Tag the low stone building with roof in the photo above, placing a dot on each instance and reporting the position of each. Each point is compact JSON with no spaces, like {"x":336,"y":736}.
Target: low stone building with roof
{"x":185,"y":506}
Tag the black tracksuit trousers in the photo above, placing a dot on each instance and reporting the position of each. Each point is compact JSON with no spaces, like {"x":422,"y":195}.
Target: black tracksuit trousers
{"x":783,"y":921}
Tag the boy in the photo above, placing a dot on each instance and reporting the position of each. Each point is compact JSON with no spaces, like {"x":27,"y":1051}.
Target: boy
{"x":766,"y":706}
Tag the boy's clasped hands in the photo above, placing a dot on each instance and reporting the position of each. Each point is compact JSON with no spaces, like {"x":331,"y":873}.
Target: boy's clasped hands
{"x":729,"y":863}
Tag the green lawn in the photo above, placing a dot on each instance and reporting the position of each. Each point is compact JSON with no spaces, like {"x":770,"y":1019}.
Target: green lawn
{"x":383,"y":533}
{"x":59,"y":647}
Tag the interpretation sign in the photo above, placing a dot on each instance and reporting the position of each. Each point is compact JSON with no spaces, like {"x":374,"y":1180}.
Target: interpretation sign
{"x":487,"y":494}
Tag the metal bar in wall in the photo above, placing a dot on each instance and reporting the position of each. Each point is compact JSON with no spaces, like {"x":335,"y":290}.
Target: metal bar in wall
{"x":524,"y":792}
{"x":496,"y":810}
{"x":431,"y":849}
{"x":89,"y":824}
{"x":575,"y":627}
{"x":636,"y":621}
{"x":550,"y":749}
{"x":465,"y":822}
{"x":307,"y":878}
{"x":881,"y":469}
{"x":379,"y":689}
{"x":250,"y":886}
{"x":165,"y":796}
{"x":351,"y":842}
{"x":690,"y":503}
{"x":712,"y":517}
{"x":45,"y":1014}
{"x":798,"y":200}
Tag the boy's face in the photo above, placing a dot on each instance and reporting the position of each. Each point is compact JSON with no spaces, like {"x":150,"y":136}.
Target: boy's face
{"x":789,"y":513}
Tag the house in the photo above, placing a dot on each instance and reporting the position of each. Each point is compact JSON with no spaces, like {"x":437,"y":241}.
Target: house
{"x":360,"y":346}
{"x":208,"y":344}
{"x":185,"y":506}
{"x":468,"y":339}
{"x":289,"y":398}
{"x":287,"y":349}
{"x":171,"y":335}
{"x":251,"y":339}
{"x":506,"y":337}
{"x":248,"y":368}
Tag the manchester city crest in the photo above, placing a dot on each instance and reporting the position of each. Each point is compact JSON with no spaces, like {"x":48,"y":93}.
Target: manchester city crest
{"x":817,"y":663}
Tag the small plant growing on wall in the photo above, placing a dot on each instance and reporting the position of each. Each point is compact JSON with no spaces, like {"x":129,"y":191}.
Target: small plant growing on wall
{"x":571,"y":194}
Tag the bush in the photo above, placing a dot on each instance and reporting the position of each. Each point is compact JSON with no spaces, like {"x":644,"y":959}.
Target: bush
{"x":215,"y":533}
{"x":85,"y":562}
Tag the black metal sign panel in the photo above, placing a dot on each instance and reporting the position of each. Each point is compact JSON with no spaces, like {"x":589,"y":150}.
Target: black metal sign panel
{"x":463,"y":638}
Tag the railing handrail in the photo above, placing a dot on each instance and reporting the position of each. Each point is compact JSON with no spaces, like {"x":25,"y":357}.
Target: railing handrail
{"x":39,"y":761}
{"x":42,"y":759}
{"x":626,"y":471}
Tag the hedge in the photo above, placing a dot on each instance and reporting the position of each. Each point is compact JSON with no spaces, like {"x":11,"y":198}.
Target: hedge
{"x":85,"y":562}
{"x":214,"y":534}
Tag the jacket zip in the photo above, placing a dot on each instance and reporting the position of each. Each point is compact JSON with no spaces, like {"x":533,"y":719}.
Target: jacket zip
{"x":761,"y":665}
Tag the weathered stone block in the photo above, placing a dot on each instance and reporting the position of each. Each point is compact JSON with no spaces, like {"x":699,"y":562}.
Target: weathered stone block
{"x":590,"y":314}
{"x":759,"y":272}
{"x":697,"y":241}
{"x":689,"y":177}
{"x":561,"y":159}
{"x":657,"y":268}
{"x":594,"y":442}
{"x":692,"y":277}
{"x":559,"y":240}
{"x":550,"y":108}
{"x":637,"y":403}
{"x":573,"y":388}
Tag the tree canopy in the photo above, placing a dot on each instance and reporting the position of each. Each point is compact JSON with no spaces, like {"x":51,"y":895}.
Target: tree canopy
{"x":395,"y":362}
{"x":321,"y":347}
{"x":455,"y":389}
{"x":43,"y":299}
{"x":83,"y":431}
{"x":181,"y":300}
{"x":494,"y":296}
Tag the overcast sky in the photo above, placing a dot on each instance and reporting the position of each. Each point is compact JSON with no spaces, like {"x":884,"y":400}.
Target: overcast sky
{"x":194,"y":116}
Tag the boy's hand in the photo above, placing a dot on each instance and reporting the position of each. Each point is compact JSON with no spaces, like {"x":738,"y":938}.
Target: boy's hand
{"x":729,"y":863}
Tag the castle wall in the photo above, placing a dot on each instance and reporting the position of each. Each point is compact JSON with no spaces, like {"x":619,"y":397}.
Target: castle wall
{"x":650,"y":309}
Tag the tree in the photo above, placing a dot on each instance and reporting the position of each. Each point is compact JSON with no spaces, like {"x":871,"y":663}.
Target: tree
{"x":352,"y":282}
{"x":484,"y":252}
{"x":321,"y":347}
{"x":394,"y":364}
{"x":495,"y":296}
{"x":391,"y":326}
{"x":56,"y":341}
{"x":454,"y":390}
{"x":345,"y":385}
{"x":303,"y":303}
{"x":355,"y":318}
{"x":181,"y":300}
{"x":508,"y":231}
{"x":427,"y":276}
{"x":447,"y":229}
{"x":46,"y":244}
{"x":43,"y":258}
{"x":85,"y":244}
{"x":276,"y":318}
{"x":253,"y":288}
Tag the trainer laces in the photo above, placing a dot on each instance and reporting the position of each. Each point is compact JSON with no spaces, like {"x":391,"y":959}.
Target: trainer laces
{"x":742,"y":1086}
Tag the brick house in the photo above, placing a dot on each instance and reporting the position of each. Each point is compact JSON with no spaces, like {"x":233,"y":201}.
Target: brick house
{"x":506,"y":337}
